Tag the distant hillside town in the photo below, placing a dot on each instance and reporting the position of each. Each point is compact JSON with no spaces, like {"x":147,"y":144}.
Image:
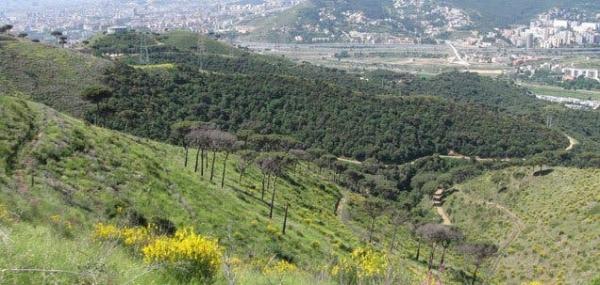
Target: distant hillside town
{"x":555,"y":29}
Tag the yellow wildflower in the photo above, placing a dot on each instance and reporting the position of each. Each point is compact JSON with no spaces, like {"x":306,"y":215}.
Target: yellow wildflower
{"x":200,"y":254}
{"x":281,"y":267}
{"x":106,"y":232}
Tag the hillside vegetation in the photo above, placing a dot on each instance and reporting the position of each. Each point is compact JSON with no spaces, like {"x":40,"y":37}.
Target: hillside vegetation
{"x":508,"y":98}
{"x":48,"y":74}
{"x":547,"y":226}
{"x":61,"y":178}
{"x":494,"y":13}
{"x":238,"y":90}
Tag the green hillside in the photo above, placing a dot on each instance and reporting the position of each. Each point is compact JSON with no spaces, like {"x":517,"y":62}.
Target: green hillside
{"x":329,"y":17}
{"x":493,"y":13}
{"x":190,"y":84}
{"x":84,"y":175}
{"x":48,"y":74}
{"x":548,"y":226}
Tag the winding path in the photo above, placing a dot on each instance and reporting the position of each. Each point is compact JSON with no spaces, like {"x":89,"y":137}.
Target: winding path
{"x":444,"y":216}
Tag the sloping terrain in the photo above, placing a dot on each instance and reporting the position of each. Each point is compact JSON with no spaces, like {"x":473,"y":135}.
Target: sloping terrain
{"x":240,"y":90}
{"x":60,"y":177}
{"x":494,"y":13}
{"x":547,"y":225}
{"x":48,"y":74}
{"x":321,"y":20}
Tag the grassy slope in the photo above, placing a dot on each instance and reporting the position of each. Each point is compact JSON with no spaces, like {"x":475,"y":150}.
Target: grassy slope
{"x":561,"y":92}
{"x":556,"y":223}
{"x":50,"y":75}
{"x":83,"y":172}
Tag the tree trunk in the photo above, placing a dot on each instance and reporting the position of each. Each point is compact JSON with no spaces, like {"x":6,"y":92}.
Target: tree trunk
{"x":32,"y":178}
{"x":431,"y":256}
{"x":337,"y":206}
{"x":394,"y":236}
{"x":262,"y":192}
{"x":197,"y":156}
{"x":212,"y":166}
{"x":268,"y":183}
{"x":285,"y":218}
{"x":418,"y":250}
{"x":202,"y":163}
{"x":224,"y":168}
{"x":206,"y":158}
{"x":371,"y":229}
{"x":97,"y":113}
{"x":186,"y":155}
{"x":272,"y":200}
{"x":443,"y":256}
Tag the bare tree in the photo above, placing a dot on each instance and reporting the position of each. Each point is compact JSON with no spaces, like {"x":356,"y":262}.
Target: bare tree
{"x":374,"y":208}
{"x":178,"y":136}
{"x":225,"y":142}
{"x":277,"y":168}
{"x":434,"y":234}
{"x":199,"y":135}
{"x":285,"y":218}
{"x":448,"y":236}
{"x":399,"y":217}
{"x":480,"y":253}
{"x":246,"y":158}
{"x":267,"y":164}
{"x":416,"y":232}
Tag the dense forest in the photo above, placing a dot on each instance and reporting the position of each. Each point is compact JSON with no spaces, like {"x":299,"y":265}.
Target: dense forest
{"x":347,"y":114}
{"x":321,"y":114}
{"x":507,"y":97}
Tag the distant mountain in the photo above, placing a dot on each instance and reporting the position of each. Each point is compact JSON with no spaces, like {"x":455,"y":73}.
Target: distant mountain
{"x":492,"y":13}
{"x":361,"y":21}
{"x":399,"y":20}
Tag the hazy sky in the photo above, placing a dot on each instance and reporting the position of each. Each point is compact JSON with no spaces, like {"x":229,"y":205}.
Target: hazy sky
{"x":28,"y":4}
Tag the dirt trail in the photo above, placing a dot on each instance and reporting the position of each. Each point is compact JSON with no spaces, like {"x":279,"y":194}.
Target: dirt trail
{"x":342,"y":211}
{"x":519,"y":225}
{"x":572,"y":143}
{"x":26,"y":161}
{"x":347,"y":160}
{"x":444,"y":216}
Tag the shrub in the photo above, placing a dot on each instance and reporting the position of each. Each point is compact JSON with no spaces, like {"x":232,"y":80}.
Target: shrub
{"x":282,"y":267}
{"x":164,"y":226}
{"x":187,"y":255}
{"x":363,"y":264}
{"x":134,"y":236}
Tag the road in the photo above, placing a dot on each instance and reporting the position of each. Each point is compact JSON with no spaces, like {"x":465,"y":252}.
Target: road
{"x":461,"y":61}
